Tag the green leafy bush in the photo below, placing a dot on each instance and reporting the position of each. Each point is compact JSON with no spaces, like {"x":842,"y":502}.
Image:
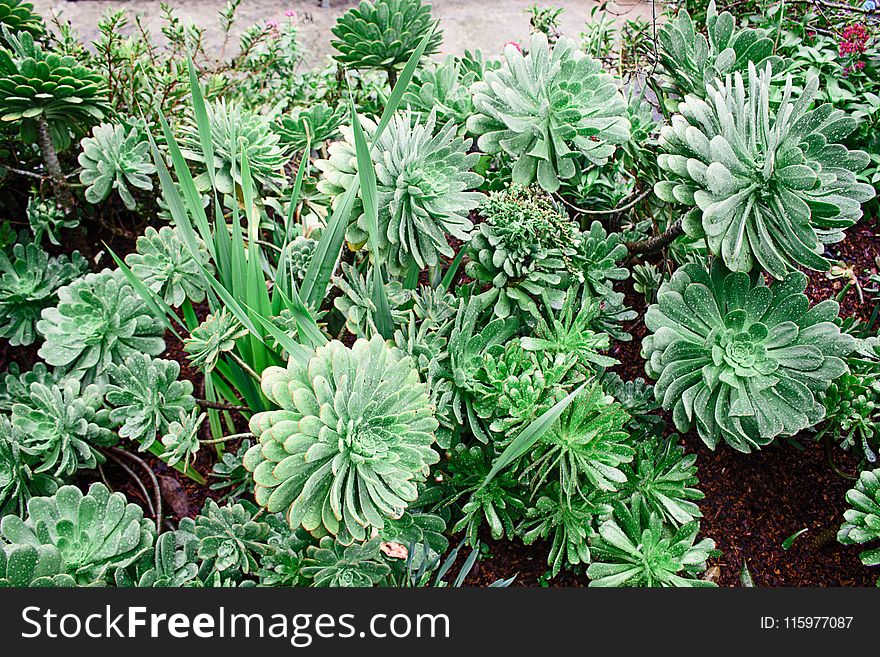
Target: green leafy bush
{"x":544,"y":108}
{"x":351,"y":420}
{"x":29,"y":282}
{"x":99,"y":320}
{"x":94,"y":533}
{"x":113,"y":159}
{"x":742,"y":361}
{"x":770,"y":183}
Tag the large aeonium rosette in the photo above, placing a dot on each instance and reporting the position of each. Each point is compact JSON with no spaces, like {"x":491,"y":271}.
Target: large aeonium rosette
{"x":743,"y":361}
{"x":350,"y":442}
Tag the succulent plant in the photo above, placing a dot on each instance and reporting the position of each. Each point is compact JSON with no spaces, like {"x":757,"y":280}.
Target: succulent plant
{"x":664,"y":479}
{"x":315,"y":453}
{"x":597,"y":258}
{"x":422,"y":175}
{"x":166,"y":265}
{"x":423,"y":531}
{"x":212,"y":338}
{"x":95,"y":533}
{"x":568,"y":523}
{"x":499,"y":504}
{"x":18,"y":481}
{"x":172,"y":564}
{"x":515,"y":386}
{"x":300,"y":253}
{"x":145,"y":396}
{"x":236,"y":131}
{"x":647,"y":279}
{"x":230,"y":539}
{"x":383,"y":34}
{"x":115,"y":158}
{"x":743,"y":361}
{"x":569,"y":331}
{"x":46,"y":219}
{"x":181,"y":440}
{"x":863,"y":518}
{"x":356,"y":301}
{"x":99,"y":320}
{"x":36,"y":85}
{"x":27,"y":566}
{"x":17,"y":16}
{"x":633,"y":551}
{"x":545,"y":108}
{"x":61,"y":426}
{"x":769,"y":183}
{"x":521,"y":249}
{"x":444,"y":90}
{"x":15,"y":385}
{"x":852,"y":412}
{"x":693,"y":61}
{"x":28,"y":284}
{"x":637,"y":399}
{"x":585,"y":448}
{"x":340,"y":168}
{"x":312,"y":125}
{"x":353,"y":566}
{"x":231,"y":475}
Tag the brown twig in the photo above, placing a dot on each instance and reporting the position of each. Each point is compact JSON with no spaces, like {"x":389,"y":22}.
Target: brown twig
{"x":657,"y":242}
{"x":154,"y":481}
{"x":53,"y":166}
{"x":220,"y":406}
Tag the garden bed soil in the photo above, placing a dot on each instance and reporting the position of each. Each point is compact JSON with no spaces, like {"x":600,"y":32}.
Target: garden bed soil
{"x":753,"y":501}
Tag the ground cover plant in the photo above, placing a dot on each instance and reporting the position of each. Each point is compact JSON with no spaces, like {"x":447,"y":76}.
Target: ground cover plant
{"x":425,"y":319}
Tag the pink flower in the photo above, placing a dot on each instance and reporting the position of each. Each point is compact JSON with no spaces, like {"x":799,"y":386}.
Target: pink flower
{"x":290,"y":13}
{"x":271,"y":23}
{"x":853,"y":40}
{"x":394,"y":550}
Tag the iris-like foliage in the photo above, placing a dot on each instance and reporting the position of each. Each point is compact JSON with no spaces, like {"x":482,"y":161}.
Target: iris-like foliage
{"x":94,"y":533}
{"x":212,"y":338}
{"x":166,"y":266}
{"x":146,"y":397}
{"x":99,"y":320}
{"x":567,"y":523}
{"x":692,"y":62}
{"x":383,"y":34}
{"x":633,"y":551}
{"x":312,"y":125}
{"x":663,"y":478}
{"x":62,"y":426}
{"x":114,"y":159}
{"x":46,"y":219}
{"x":546,"y":108}
{"x":350,"y":443}
{"x":770,"y":182}
{"x":230,"y":539}
{"x":28,"y":284}
{"x":18,"y":481}
{"x":36,"y":85}
{"x":235,"y":132}
{"x":422,"y":175}
{"x":743,"y":361}
{"x":24,"y":566}
{"x":354,"y":566}
{"x":521,"y":249}
{"x":585,"y":448}
{"x":863,"y":518}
